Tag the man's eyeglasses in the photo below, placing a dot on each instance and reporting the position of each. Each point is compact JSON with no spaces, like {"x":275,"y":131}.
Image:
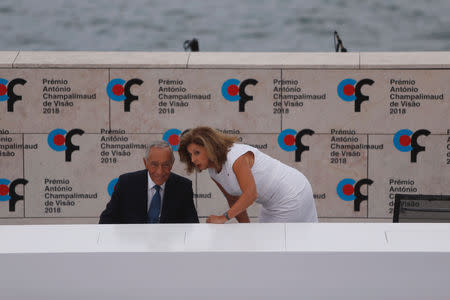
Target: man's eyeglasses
{"x":164,"y":165}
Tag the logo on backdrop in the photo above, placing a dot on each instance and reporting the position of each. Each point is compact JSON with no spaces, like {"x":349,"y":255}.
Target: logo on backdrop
{"x":111,"y":186}
{"x":291,"y":140}
{"x":61,"y":140}
{"x":172,"y":136}
{"x":350,"y":90}
{"x":8,"y":191}
{"x":406,"y":141}
{"x":7,"y":91}
{"x":119,"y":90}
{"x":349,"y":189}
{"x":233,"y":90}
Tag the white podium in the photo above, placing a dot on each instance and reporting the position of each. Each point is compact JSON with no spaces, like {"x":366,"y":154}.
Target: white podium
{"x":231,"y":261}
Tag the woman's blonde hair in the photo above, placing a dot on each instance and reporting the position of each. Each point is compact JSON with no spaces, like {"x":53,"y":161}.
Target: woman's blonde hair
{"x":216,"y":145}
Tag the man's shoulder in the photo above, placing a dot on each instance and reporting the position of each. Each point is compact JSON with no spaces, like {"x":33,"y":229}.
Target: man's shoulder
{"x":133,"y":175}
{"x":179,"y":179}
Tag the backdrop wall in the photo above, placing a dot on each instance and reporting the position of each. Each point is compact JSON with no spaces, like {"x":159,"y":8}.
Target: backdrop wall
{"x":360,"y":126}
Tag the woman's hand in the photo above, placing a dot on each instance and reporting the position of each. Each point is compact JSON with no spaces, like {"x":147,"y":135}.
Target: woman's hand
{"x":216,"y":219}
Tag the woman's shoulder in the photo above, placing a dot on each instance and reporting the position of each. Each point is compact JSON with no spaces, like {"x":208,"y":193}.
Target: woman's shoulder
{"x":236,"y":147}
{"x":238,"y":150}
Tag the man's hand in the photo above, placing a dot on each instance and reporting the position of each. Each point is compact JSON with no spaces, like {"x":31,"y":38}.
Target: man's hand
{"x":216,"y":219}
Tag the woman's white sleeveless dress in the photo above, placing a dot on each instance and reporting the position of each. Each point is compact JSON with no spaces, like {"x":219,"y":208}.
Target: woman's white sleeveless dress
{"x":283,"y":192}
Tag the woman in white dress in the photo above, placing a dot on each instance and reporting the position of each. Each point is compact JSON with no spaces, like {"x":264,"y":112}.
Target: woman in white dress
{"x":246,"y":175}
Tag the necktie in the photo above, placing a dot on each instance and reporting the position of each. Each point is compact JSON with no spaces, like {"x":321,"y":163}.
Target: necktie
{"x":155,"y":206}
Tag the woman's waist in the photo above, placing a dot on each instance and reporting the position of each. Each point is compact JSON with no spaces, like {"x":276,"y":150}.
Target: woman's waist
{"x":281,"y":183}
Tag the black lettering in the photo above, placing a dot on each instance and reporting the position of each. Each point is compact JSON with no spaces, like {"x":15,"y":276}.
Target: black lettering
{"x":359,"y":96}
{"x":128,"y":96}
{"x":71,"y":147}
{"x":12,"y":97}
{"x":243,"y":95}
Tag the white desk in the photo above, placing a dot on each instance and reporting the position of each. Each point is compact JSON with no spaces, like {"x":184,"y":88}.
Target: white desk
{"x":237,"y":261}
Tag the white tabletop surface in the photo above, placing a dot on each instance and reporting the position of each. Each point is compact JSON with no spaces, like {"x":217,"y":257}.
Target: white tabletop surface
{"x":293,"y":237}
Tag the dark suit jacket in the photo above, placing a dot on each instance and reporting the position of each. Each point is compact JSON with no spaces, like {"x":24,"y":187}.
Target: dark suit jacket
{"x":128,"y":203}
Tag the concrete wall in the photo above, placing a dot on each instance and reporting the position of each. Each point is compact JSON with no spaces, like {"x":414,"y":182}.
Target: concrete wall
{"x":373,"y":122}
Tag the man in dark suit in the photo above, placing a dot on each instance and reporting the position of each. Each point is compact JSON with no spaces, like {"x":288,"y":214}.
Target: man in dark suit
{"x":154,"y":195}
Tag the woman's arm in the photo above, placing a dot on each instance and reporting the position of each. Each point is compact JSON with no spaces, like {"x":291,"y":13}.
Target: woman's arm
{"x":243,"y":216}
{"x":242,"y":169}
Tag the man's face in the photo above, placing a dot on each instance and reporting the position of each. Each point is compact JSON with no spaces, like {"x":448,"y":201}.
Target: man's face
{"x":159,"y":164}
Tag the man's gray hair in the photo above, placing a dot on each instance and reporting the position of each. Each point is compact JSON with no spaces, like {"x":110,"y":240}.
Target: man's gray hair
{"x":159,"y":145}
